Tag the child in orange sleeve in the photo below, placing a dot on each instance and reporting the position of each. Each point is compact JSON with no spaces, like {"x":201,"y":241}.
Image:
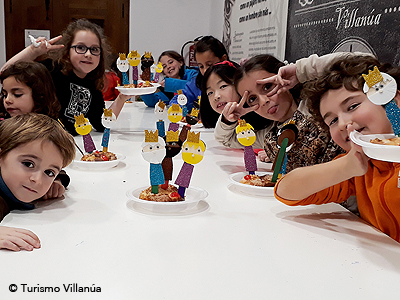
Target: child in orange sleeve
{"x":337,"y":98}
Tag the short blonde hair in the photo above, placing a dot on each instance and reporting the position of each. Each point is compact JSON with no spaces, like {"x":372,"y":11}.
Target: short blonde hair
{"x":27,"y":128}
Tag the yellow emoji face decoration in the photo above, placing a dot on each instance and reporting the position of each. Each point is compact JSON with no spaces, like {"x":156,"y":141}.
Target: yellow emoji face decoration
{"x":159,"y":67}
{"x":82,"y":125}
{"x":245,"y":133}
{"x":175,"y":113}
{"x":193,"y":149}
{"x":134,"y":58}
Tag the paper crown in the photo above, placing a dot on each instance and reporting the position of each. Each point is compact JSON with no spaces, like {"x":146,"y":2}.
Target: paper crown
{"x":194,"y":112}
{"x":373,"y":77}
{"x":122,"y":56}
{"x":193,"y":137}
{"x":107,"y":112}
{"x":242,"y":123}
{"x":290,"y":122}
{"x":150,"y":136}
{"x":133,"y":53}
{"x":180,"y":92}
{"x":79,"y":119}
{"x":147,"y":54}
{"x":161,"y":104}
{"x":172,"y":136}
{"x":175,"y":107}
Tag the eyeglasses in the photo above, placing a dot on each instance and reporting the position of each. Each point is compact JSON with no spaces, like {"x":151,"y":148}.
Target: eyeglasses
{"x":82,"y":49}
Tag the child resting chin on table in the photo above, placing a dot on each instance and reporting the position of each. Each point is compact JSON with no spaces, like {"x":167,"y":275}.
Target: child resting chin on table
{"x":34,"y":149}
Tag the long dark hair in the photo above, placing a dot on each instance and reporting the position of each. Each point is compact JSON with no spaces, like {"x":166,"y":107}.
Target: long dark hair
{"x":68,"y":35}
{"x":38,"y":78}
{"x":209,"y":43}
{"x":175,"y":55}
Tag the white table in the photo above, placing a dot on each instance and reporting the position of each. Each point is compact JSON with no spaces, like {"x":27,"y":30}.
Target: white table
{"x":241,"y":247}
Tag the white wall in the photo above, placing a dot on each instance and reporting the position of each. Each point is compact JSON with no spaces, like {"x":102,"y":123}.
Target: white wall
{"x":157,"y":25}
{"x":169,"y":24}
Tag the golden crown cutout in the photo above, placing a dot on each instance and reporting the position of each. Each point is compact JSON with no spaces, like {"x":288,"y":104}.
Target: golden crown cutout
{"x":122,"y":56}
{"x":373,"y":77}
{"x":80,"y":119}
{"x":150,"y":136}
{"x":175,"y":107}
{"x":194,"y":112}
{"x":134,"y":53}
{"x":290,"y":122}
{"x":161,"y":104}
{"x":242,"y":123}
{"x":147,"y":54}
{"x":107,"y":112}
{"x":193,"y":137}
{"x":172,"y":136}
{"x":180,"y":92}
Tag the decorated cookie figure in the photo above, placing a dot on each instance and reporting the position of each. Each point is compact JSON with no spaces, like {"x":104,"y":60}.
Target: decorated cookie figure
{"x":192,"y":153}
{"x":247,"y":137}
{"x":159,"y":69}
{"x":83,"y":127}
{"x":123,"y":67}
{"x":153,"y":151}
{"x":193,"y":117}
{"x":173,"y":146}
{"x":380,"y":89}
{"x":182,"y":100}
{"x":287,"y":135}
{"x":146,"y":62}
{"x":134,"y":61}
{"x":107,"y":119}
{"x":160,"y":111}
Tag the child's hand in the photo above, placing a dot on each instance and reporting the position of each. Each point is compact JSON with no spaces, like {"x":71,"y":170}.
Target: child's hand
{"x":284,"y":80}
{"x":46,"y":46}
{"x":357,"y":160}
{"x":233,"y":111}
{"x":262,"y":155}
{"x":162,"y":83}
{"x":56,"y":190}
{"x":16,"y":239}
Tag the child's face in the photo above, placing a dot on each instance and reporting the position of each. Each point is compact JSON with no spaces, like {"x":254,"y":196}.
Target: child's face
{"x":206,"y":60}
{"x":342,"y":107}
{"x":170,"y":66}
{"x":30,"y":169}
{"x":84,"y":63}
{"x":219,"y":93}
{"x":278,"y":107}
{"x":17,"y":97}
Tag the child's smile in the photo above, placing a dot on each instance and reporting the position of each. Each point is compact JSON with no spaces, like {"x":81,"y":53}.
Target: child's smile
{"x":219,"y":93}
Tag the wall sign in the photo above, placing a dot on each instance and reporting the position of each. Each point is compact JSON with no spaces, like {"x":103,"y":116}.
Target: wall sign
{"x":322,"y":26}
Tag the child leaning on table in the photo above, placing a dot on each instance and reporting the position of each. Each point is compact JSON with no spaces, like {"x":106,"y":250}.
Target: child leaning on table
{"x":33,"y":150}
{"x":338,"y":100}
{"x":77,"y":66}
{"x":28,"y":87}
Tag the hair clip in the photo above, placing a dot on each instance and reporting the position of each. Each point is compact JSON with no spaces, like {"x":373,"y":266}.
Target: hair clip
{"x":226,"y":62}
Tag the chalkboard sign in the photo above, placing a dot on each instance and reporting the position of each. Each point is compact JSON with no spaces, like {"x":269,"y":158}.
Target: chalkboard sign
{"x":322,"y":26}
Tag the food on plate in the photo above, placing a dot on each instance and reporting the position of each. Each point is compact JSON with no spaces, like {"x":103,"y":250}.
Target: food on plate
{"x":168,"y":195}
{"x":392,"y":141}
{"x":139,"y":85}
{"x":263,"y":180}
{"x":99,"y":156}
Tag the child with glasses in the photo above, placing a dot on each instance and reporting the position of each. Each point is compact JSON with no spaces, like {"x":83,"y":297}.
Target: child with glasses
{"x":77,"y":66}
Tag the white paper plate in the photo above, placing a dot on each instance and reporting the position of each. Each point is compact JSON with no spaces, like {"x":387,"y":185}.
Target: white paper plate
{"x":96,"y":165}
{"x":192,"y":197}
{"x":197,"y":125}
{"x":250,"y":189}
{"x":136,"y":91}
{"x":380,"y":152}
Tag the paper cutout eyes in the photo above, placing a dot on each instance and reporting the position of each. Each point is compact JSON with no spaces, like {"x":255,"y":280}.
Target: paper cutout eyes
{"x":175,"y":113}
{"x":193,"y":153}
{"x":108,"y":121}
{"x":182,"y":99}
{"x":82,"y":125}
{"x":159,"y":67}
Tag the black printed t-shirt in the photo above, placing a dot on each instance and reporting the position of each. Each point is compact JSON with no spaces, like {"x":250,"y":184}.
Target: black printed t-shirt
{"x":76,"y":96}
